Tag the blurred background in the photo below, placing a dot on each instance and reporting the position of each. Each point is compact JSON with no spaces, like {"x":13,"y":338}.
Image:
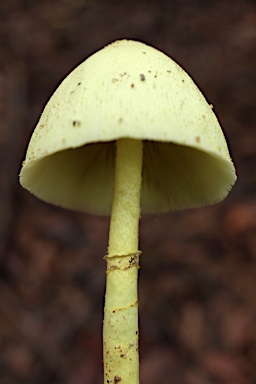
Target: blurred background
{"x":198,"y":268}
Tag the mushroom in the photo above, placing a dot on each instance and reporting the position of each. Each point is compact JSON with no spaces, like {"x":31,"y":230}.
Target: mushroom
{"x":127,"y":132}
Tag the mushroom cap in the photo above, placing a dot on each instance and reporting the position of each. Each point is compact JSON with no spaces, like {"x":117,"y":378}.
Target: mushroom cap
{"x":128,"y":90}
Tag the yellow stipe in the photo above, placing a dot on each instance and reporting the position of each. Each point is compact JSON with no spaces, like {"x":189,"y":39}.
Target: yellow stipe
{"x":123,"y":236}
{"x":120,"y":331}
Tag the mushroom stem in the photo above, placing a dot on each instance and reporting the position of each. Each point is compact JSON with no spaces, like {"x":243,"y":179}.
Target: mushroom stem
{"x":120,"y":331}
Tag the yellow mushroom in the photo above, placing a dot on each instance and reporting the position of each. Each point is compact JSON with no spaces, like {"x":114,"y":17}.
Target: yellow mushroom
{"x":127,"y":132}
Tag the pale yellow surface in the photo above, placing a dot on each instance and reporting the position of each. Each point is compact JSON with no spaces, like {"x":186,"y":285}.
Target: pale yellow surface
{"x":123,"y":235}
{"x":120,"y":331}
{"x":128,"y":90}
